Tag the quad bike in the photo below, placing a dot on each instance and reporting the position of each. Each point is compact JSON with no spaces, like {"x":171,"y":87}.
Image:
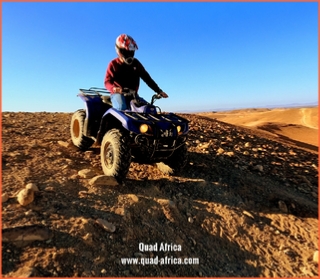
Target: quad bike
{"x":143,"y":134}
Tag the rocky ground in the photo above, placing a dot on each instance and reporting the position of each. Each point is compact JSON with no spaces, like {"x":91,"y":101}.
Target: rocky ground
{"x":246,"y":205}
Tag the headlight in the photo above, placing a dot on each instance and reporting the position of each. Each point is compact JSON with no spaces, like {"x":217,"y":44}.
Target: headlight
{"x":179,"y":130}
{"x":144,"y":128}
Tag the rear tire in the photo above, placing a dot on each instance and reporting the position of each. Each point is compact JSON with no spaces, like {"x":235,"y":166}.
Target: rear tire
{"x":76,"y":131}
{"x":115,"y":154}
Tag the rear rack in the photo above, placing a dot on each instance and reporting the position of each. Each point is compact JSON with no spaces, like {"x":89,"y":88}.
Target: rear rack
{"x":95,"y":91}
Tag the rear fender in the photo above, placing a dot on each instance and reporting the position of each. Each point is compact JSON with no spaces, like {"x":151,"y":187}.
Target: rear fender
{"x":95,"y":108}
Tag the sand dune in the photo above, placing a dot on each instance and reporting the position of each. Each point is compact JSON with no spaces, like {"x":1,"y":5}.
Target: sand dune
{"x":298,"y":125}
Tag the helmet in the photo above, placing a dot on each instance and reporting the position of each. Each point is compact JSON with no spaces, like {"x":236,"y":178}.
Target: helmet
{"x":125,"y":47}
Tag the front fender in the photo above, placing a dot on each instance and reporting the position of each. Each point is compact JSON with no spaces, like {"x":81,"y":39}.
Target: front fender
{"x":127,"y":122}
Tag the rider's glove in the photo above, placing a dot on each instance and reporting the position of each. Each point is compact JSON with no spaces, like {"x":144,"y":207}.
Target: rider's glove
{"x":117,"y":89}
{"x":163,"y":94}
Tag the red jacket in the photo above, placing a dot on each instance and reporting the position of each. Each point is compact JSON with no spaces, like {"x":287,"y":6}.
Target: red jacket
{"x":128,"y":76}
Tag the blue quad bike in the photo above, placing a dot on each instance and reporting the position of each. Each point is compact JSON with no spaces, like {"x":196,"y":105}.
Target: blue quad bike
{"x":143,"y":134}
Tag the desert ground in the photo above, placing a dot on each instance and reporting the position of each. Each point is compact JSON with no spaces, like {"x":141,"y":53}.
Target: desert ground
{"x":246,"y":204}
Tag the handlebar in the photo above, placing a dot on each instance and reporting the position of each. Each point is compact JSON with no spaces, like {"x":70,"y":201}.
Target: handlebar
{"x":130,"y":92}
{"x":155,"y":97}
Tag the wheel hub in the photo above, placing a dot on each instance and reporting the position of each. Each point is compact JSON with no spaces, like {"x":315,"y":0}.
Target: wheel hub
{"x":108,"y":155}
{"x":76,"y":128}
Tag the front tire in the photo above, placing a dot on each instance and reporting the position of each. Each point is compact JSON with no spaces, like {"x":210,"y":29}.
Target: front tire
{"x":76,"y":131}
{"x":178,"y":160}
{"x":115,"y":154}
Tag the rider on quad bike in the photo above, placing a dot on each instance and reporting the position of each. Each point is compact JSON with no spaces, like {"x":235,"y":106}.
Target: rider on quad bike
{"x":125,"y":71}
{"x":125,"y":126}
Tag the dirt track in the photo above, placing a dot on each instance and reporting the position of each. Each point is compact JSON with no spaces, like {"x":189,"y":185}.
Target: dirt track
{"x":245,"y":205}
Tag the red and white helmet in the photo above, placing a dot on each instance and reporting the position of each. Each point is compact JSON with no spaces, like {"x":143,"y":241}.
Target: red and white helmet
{"x":125,"y":47}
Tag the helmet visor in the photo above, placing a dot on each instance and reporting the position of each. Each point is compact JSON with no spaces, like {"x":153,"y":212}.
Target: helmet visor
{"x":126,"y":53}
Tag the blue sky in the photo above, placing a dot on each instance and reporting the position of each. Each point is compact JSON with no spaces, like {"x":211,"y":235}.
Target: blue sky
{"x":204,"y":55}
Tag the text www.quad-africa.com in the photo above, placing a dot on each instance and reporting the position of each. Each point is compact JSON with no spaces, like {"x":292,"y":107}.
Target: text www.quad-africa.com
{"x":159,"y":261}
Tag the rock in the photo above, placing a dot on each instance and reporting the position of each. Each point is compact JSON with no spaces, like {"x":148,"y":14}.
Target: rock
{"x":88,"y":238}
{"x":23,"y":272}
{"x":120,"y":211}
{"x":133,"y":198}
{"x":258,"y":168}
{"x":25,"y":197}
{"x":282,"y":206}
{"x":165,"y":202}
{"x":63,"y":143}
{"x":32,"y":186}
{"x":26,"y":233}
{"x":103,"y":180}
{"x":291,"y":152}
{"x":190,"y":220}
{"x":5,"y":197}
{"x":164,"y":168}
{"x":14,"y":154}
{"x":230,"y":153}
{"x":74,"y":176}
{"x":29,"y":213}
{"x":220,"y":151}
{"x":49,"y":189}
{"x":316,"y":257}
{"x":247,"y":144}
{"x":205,"y":145}
{"x":86,"y":173}
{"x":109,"y":227}
{"x":83,"y":194}
{"x":248,"y":214}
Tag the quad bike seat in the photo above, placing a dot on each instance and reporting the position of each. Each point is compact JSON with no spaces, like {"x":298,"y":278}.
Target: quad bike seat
{"x":106,"y":100}
{"x":139,"y":103}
